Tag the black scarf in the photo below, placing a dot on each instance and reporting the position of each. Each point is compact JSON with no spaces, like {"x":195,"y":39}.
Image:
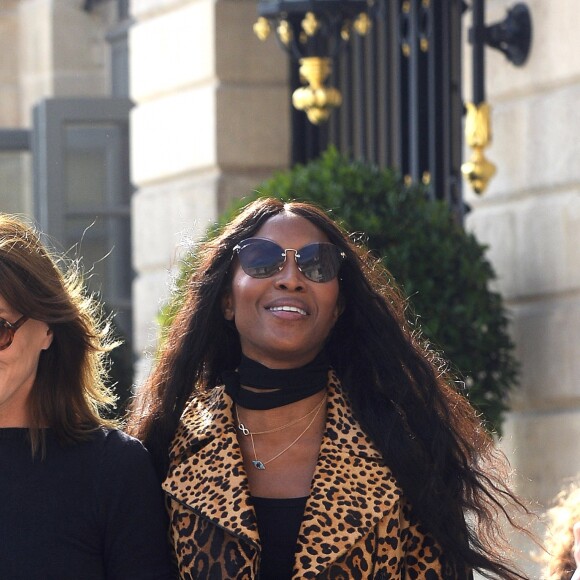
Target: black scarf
{"x":291,"y":384}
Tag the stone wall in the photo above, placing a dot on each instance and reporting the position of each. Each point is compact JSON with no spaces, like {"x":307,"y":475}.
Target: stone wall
{"x":530,"y":218}
{"x":49,"y":48}
{"x":211,"y":121}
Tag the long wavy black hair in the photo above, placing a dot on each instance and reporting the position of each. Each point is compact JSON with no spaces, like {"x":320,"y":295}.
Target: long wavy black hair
{"x":428,"y":433}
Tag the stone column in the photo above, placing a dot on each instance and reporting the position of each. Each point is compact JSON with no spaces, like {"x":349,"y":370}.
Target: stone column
{"x":211,"y":121}
{"x":62,"y":50}
{"x":49,"y":48}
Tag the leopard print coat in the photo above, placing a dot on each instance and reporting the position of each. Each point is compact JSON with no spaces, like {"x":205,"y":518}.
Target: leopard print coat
{"x":357,"y":523}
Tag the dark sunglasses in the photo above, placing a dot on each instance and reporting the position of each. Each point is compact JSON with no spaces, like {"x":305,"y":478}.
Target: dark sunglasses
{"x":7,"y":331}
{"x":261,"y":258}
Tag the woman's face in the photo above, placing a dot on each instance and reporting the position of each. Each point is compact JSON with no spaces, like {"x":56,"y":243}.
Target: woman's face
{"x":18,"y":364}
{"x":284,"y":320}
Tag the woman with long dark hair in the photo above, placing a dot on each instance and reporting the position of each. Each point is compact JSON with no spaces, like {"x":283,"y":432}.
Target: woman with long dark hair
{"x":302,"y":428}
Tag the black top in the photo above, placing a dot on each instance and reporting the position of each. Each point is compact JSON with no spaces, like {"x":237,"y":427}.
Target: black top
{"x":278,"y":524}
{"x":90,"y":511}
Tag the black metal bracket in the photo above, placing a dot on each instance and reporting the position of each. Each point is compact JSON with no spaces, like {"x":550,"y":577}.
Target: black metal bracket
{"x":513,"y":35}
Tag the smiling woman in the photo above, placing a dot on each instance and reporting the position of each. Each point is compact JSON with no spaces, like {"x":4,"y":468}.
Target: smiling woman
{"x":301,"y":427}
{"x":79,"y":497}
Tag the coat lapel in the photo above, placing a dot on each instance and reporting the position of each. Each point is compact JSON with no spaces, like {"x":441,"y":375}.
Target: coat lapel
{"x":351,"y":491}
{"x":207,"y":473}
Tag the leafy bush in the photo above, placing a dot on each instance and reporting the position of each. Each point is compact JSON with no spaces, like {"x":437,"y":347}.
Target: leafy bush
{"x":442,"y":268}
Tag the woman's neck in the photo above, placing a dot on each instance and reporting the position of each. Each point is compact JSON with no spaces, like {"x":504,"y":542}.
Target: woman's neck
{"x":255,"y":386}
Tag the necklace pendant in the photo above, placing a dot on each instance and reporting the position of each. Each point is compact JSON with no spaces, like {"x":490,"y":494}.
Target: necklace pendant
{"x":258,"y":464}
{"x":243,"y":429}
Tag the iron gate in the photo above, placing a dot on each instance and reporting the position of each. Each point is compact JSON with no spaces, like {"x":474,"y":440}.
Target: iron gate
{"x":401,"y":89}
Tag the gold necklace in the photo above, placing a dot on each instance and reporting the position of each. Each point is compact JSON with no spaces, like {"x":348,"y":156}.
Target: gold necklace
{"x":257,"y":463}
{"x":246,"y":431}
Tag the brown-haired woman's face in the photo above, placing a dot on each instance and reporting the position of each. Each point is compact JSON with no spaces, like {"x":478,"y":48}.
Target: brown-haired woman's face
{"x":18,"y":365}
{"x":283,"y":320}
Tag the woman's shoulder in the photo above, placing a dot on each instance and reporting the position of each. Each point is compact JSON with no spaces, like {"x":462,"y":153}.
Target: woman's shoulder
{"x":115,"y":445}
{"x":121,"y":456}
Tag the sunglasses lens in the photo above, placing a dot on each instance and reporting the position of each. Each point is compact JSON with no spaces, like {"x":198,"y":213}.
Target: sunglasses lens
{"x":260,"y":258}
{"x":319,"y":262}
{"x":5,"y":334}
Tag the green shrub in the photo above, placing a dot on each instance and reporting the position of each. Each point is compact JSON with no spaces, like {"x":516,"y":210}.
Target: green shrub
{"x":442,"y":269}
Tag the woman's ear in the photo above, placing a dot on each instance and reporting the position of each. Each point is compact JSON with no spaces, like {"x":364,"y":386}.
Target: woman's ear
{"x":228,"y":305}
{"x":48,"y":338}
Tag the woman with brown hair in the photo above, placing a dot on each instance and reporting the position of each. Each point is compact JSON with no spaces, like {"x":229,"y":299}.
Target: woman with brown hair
{"x":301,"y":427}
{"x":79,"y":498}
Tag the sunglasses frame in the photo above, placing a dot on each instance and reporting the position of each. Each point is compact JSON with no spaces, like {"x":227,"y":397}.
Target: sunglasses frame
{"x":284,"y":254}
{"x":11,"y":329}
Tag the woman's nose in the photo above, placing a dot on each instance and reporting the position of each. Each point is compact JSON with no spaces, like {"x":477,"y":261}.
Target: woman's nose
{"x":290,"y":276}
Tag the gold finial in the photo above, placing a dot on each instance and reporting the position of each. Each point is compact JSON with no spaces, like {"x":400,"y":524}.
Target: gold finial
{"x":406,"y":48}
{"x":406,"y":7}
{"x":478,"y":170}
{"x":285,"y":33}
{"x":262,"y":28}
{"x":424,"y":44}
{"x":362,"y":24}
{"x":345,"y":31}
{"x":310,"y":24}
{"x":408,"y":180}
{"x":426,"y":178}
{"x":316,"y":99}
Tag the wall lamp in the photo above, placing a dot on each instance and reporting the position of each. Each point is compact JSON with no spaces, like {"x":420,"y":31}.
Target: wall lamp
{"x":313,"y":32}
{"x":513,"y":37}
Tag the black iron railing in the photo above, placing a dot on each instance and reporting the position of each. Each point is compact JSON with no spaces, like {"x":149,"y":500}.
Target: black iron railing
{"x":402,"y":104}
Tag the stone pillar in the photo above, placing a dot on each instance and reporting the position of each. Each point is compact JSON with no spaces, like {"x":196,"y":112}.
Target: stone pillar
{"x":50,"y":48}
{"x":63,"y":52}
{"x":211,"y":121}
{"x":530,"y":219}
{"x":9,"y":60}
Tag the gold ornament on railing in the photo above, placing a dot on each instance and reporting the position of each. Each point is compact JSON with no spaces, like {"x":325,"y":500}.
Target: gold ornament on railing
{"x":310,"y":24}
{"x":362,"y":24}
{"x":285,"y":33}
{"x":316,"y":99}
{"x":313,"y":36}
{"x":478,"y":170}
{"x":262,"y":28}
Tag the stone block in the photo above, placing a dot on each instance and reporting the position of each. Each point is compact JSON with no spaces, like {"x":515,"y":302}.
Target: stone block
{"x":173,"y":135}
{"x":142,"y":369}
{"x":534,"y":243}
{"x":550,"y":62}
{"x":547,"y":334}
{"x":543,"y":449}
{"x":78,"y":37}
{"x":9,"y":33}
{"x":168,"y":218}
{"x":10,"y":114}
{"x":234,"y":185}
{"x":253,"y":126}
{"x":240,"y":56}
{"x":145,"y":9}
{"x":150,"y":291}
{"x":495,"y":227}
{"x":176,"y":49}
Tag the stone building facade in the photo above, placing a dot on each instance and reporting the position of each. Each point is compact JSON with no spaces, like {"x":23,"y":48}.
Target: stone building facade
{"x":210,"y":120}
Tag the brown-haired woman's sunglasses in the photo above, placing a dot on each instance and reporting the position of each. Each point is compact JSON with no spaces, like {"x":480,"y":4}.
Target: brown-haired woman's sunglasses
{"x":7,"y":331}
